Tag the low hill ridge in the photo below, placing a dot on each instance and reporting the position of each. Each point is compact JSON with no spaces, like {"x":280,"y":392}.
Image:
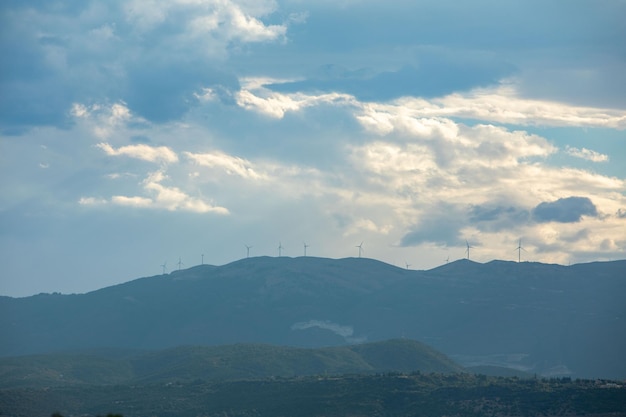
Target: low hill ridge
{"x":221,"y":363}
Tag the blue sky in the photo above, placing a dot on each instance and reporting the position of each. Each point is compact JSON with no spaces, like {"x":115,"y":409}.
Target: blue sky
{"x":134,"y":133}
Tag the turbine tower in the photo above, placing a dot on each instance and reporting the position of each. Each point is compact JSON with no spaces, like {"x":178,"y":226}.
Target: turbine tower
{"x":280,"y":249}
{"x":360,"y":248}
{"x":305,"y":246}
{"x":519,"y":250}
{"x":164,"y":266}
{"x":180,"y":263}
{"x":202,"y":259}
{"x":248,"y":250}
{"x":468,"y":248}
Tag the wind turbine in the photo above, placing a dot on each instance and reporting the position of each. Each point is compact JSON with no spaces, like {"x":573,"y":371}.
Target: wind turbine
{"x":468,"y":248}
{"x":180,"y":263}
{"x":280,"y":249}
{"x":305,"y":246}
{"x":202,"y":259}
{"x":360,"y":248}
{"x":248,"y":250}
{"x":407,"y":264}
{"x":448,"y":259}
{"x":164,"y":266}
{"x":519,"y":250}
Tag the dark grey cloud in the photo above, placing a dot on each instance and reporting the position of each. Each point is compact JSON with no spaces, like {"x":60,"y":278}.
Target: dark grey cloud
{"x":576,"y":237}
{"x":88,"y":52}
{"x":440,"y":225}
{"x":44,"y":67}
{"x":424,"y":48}
{"x":496,"y":218}
{"x":483,"y":24}
{"x":564,"y":210}
{"x":574,"y":53}
{"x":29,"y":94}
{"x":163,"y":91}
{"x":485,"y":213}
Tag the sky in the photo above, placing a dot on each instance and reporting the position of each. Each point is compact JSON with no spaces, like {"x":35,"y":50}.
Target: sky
{"x":142,"y":133}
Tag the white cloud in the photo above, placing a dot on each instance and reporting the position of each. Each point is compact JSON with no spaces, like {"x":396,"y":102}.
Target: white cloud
{"x":206,"y":95}
{"x":79,"y":110}
{"x":161,"y":154}
{"x":587,"y":154}
{"x":464,"y":155}
{"x":422,"y":157}
{"x":103,"y":120}
{"x":173,"y":198}
{"x":253,"y":96}
{"x":500,"y":104}
{"x":274,"y":105}
{"x":298,"y":18}
{"x":245,"y":27}
{"x":230,"y":164}
{"x":91,"y":201}
{"x":119,"y":113}
{"x":358,"y":226}
{"x":422,"y":168}
{"x":411,"y":157}
{"x":160,"y":197}
{"x":105,"y":32}
{"x":119,"y":175}
{"x":131,"y":201}
{"x":216,"y":22}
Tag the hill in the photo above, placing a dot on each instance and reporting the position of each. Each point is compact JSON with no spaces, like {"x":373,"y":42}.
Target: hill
{"x":219,"y":363}
{"x":531,"y":317}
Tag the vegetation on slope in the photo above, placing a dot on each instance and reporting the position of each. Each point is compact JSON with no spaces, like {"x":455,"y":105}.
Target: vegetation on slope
{"x":357,"y":395}
{"x":232,"y":362}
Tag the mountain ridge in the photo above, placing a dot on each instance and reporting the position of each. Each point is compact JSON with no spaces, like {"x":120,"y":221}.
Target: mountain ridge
{"x":191,"y":272}
{"x":567,"y":320}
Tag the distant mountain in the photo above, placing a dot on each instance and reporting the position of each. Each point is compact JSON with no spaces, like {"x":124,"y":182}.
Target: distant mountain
{"x":219,"y":363}
{"x":532,"y":317}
